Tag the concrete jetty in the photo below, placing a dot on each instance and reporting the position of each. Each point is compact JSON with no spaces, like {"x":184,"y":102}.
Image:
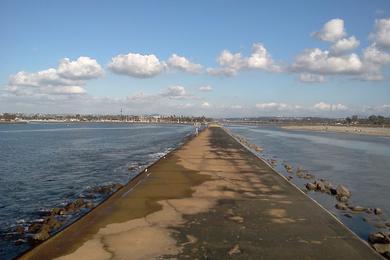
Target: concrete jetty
{"x":209,"y":199}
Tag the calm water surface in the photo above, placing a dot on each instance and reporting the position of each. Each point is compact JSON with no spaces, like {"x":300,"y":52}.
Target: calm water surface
{"x":362,"y":163}
{"x":48,"y":165}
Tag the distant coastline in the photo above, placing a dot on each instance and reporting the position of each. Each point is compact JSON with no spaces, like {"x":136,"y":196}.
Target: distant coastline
{"x":360,"y":130}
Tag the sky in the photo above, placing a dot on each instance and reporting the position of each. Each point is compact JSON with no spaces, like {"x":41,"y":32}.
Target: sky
{"x":213,"y":58}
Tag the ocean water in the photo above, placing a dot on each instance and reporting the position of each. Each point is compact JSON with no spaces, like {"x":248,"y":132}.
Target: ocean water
{"x":361,"y":163}
{"x":48,"y":165}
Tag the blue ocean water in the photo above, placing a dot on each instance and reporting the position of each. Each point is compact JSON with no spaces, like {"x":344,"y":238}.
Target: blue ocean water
{"x":361,"y":163}
{"x":48,"y":165}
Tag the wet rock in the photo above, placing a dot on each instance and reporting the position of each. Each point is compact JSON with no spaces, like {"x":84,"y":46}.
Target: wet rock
{"x":348,"y":215}
{"x":89,"y":205}
{"x":19,"y":242}
{"x":320,"y":186}
{"x":56,"y":211}
{"x":342,"y":198}
{"x":378,"y":211}
{"x":333,"y":191}
{"x":258,"y":149}
{"x":289,"y":177}
{"x":19,"y":230}
{"x":357,"y":208}
{"x":387,"y":224}
{"x":51,"y":223}
{"x":369,"y":210}
{"x":311,"y":186}
{"x":342,"y":191}
{"x":235,"y":250}
{"x":75,"y":205}
{"x":41,"y":236}
{"x":379,"y":237}
{"x":132,"y":168}
{"x":34,"y":227}
{"x":341,"y":206}
{"x":288,"y":168}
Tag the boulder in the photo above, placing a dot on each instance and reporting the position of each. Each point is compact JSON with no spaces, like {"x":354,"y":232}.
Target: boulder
{"x":343,"y":191}
{"x":51,"y":223}
{"x":41,"y":236}
{"x":34,"y":227}
{"x":320,"y":186}
{"x":342,"y":198}
{"x":19,"y":242}
{"x":56,"y":211}
{"x":379,"y":237}
{"x":19,"y":230}
{"x":377,"y":211}
{"x":333,"y":191}
{"x":310,"y":186}
{"x":341,"y":206}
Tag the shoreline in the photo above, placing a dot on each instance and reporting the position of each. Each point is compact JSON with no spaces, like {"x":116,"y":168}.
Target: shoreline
{"x":357,"y":130}
{"x":210,"y":178}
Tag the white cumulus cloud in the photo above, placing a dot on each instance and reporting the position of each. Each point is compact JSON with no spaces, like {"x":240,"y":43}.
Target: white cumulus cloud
{"x":332,"y":31}
{"x":205,"y":88}
{"x":183,"y":64}
{"x":176,"y":92}
{"x":82,"y":68}
{"x":231,"y":63}
{"x":137,"y":65}
{"x":344,"y":45}
{"x":69,"y":78}
{"x":321,"y":62}
{"x":381,"y":36}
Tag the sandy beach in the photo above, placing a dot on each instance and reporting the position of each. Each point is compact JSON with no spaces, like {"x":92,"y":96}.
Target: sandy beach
{"x":360,"y":130}
{"x":211,"y":198}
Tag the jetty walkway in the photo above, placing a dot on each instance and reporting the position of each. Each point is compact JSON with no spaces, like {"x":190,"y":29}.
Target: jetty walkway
{"x":209,"y":199}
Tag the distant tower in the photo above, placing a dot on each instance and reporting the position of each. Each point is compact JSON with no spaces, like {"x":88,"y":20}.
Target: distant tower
{"x":121,"y":115}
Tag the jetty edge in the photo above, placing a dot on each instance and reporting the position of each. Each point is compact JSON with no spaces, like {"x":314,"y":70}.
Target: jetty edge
{"x":210,"y":198}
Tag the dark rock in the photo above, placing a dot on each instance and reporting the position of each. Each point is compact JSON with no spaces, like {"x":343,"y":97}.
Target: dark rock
{"x":19,"y":242}
{"x":341,"y":206}
{"x":41,"y":236}
{"x":89,"y":205}
{"x":348,"y":215}
{"x":51,"y":223}
{"x":320,"y":186}
{"x":310,"y":186}
{"x":56,"y":211}
{"x":34,"y":227}
{"x":342,"y":191}
{"x":377,"y":211}
{"x":19,"y":230}
{"x":333,"y":191}
{"x":379,"y":237}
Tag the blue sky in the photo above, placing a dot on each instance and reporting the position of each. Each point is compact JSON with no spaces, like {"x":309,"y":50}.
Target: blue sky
{"x":282,"y":58}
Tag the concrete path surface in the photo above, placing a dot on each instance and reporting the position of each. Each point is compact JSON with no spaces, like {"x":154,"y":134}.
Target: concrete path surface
{"x":209,"y":199}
